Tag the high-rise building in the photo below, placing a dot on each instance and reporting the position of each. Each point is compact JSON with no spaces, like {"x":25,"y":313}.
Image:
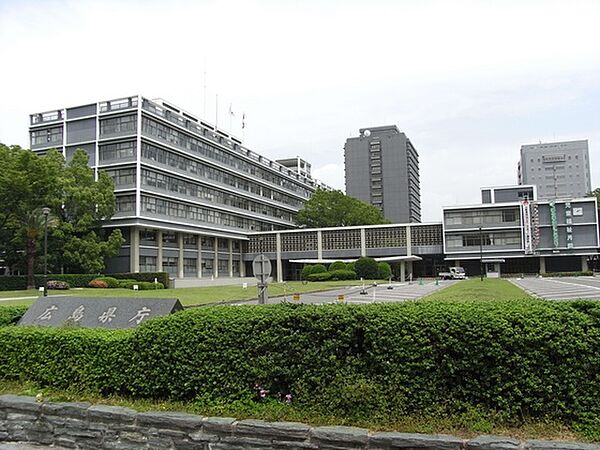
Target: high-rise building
{"x":187,"y":193}
{"x":382,"y":168}
{"x":558,"y":169}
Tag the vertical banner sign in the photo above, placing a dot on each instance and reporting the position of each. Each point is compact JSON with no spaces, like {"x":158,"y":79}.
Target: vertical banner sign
{"x":569,"y":223}
{"x":554,"y":225}
{"x":535,"y":224}
{"x":527,"y":233}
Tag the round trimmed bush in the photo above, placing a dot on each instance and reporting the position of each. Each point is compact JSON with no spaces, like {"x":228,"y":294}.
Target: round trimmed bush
{"x":366,"y":268}
{"x":57,"y":285}
{"x":97,"y":283}
{"x":319,"y":268}
{"x":385,"y":271}
{"x":342,"y":275}
{"x":110,"y":281}
{"x":338,"y":265}
{"x":306,"y":271}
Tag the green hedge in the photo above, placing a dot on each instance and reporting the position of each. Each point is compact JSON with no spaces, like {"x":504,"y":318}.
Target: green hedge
{"x":342,"y":274}
{"x":19,"y":282}
{"x":587,"y":273}
{"x":162,"y":277}
{"x":11,"y":314}
{"x":319,"y":276}
{"x":521,"y":359}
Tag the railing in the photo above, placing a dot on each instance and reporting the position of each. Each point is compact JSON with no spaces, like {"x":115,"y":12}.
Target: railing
{"x":118,"y":104}
{"x":50,"y":116}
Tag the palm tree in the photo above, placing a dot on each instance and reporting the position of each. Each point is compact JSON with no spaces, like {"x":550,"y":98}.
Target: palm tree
{"x":34,"y":223}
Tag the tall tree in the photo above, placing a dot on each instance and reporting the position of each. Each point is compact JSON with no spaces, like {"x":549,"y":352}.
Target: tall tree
{"x":335,"y":209}
{"x":78,"y":203}
{"x":86,"y":203}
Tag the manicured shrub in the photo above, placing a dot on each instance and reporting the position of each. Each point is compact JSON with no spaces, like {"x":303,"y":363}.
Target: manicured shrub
{"x":11,"y":314}
{"x":338,"y":265}
{"x":110,"y":281}
{"x":147,"y":286}
{"x":98,"y":284}
{"x":13,"y":282}
{"x":57,"y":285}
{"x":384,"y":271}
{"x":350,"y":266}
{"x":127,"y":284}
{"x":319,"y":268}
{"x":306,"y":271}
{"x":366,"y":268}
{"x":342,"y":274}
{"x":74,"y":279}
{"x":319,"y":276}
{"x":518,"y":359}
{"x":588,"y":273}
{"x":161,"y":277}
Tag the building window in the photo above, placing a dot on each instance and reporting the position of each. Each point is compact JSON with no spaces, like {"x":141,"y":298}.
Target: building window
{"x":223,"y":268}
{"x":122,"y":177}
{"x":125,"y":204}
{"x":47,"y":136}
{"x":190,"y":239}
{"x":170,"y":264}
{"x":147,"y":263}
{"x":169,"y":237}
{"x":148,"y":235}
{"x":120,"y":150}
{"x":189,"y":265}
{"x":118,"y":125}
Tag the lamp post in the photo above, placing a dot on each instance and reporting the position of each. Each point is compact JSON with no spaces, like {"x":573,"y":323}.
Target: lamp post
{"x":46,"y":212}
{"x":480,"y":254}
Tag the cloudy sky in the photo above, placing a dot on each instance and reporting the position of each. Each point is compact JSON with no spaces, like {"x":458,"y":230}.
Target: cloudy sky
{"x":467,"y":81}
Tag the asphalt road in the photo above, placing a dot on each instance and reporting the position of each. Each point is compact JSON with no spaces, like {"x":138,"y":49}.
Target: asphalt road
{"x":354,"y":294}
{"x":562,"y":288}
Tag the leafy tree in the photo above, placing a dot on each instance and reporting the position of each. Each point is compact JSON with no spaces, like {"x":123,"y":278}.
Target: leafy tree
{"x":78,"y":205}
{"x":86,"y":204}
{"x":318,"y":268}
{"x":594,"y":193}
{"x":366,"y":267}
{"x":335,"y":209}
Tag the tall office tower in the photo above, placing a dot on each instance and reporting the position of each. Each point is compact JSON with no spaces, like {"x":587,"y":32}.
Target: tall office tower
{"x":558,"y":169}
{"x":382,"y":168}
{"x":187,"y":194}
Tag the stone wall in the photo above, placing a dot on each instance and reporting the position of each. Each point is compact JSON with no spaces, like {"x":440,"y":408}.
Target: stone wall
{"x":86,"y":426}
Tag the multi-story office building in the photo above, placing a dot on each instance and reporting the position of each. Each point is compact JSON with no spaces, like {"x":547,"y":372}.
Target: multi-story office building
{"x":187,"y":193}
{"x":513,"y":232}
{"x":558,"y":169}
{"x":382,"y":168}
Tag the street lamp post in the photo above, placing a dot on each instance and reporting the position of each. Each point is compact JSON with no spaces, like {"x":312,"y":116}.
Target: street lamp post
{"x":46,"y":212}
{"x":480,"y":254}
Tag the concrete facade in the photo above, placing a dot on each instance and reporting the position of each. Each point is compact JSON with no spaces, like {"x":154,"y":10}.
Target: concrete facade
{"x":558,"y":169}
{"x":382,"y":168}
{"x":187,"y":193}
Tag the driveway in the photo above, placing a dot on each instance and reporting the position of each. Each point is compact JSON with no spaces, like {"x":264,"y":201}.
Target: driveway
{"x":561,"y":288}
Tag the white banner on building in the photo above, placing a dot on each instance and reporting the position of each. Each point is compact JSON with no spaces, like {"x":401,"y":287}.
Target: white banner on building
{"x":527,"y":231}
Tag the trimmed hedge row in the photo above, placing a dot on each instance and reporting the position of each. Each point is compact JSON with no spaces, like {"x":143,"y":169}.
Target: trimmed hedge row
{"x":10,"y":315}
{"x":521,"y":359}
{"x":587,"y":273}
{"x":17,"y":282}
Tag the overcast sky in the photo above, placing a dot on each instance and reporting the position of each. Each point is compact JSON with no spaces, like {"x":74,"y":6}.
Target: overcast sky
{"x":469,"y":82}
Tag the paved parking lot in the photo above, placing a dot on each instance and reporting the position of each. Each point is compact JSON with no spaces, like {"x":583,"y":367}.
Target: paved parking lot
{"x":399,"y":292}
{"x":563,"y":288}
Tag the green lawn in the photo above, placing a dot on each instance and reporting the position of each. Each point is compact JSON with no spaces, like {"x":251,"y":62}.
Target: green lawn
{"x":490,"y":289}
{"x":187,"y":296}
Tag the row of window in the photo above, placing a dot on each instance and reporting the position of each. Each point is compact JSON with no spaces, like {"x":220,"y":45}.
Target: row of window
{"x":208,"y":150}
{"x":168,"y":183}
{"x":122,"y":177}
{"x":170,"y":264}
{"x":118,"y":125}
{"x":47,"y":136}
{"x":484,"y":240}
{"x":197,"y":213}
{"x":153,"y":153}
{"x":189,"y":240}
{"x":477,"y":217}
